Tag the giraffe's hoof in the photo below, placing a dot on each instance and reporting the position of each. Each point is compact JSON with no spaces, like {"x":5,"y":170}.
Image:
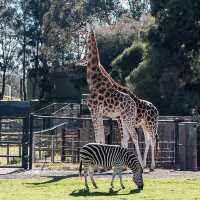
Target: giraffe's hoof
{"x":146,"y":171}
{"x":111,"y":190}
{"x":123,"y":187}
{"x":95,"y":186}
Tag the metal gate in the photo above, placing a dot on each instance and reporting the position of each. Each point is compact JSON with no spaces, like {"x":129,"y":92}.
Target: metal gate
{"x":14,"y":142}
{"x":14,"y":134}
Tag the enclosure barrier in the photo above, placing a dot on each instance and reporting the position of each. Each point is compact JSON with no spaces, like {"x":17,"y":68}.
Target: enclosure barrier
{"x":58,"y":139}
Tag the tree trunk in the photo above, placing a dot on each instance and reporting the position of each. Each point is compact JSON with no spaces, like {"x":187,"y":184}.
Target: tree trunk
{"x":24,"y":69}
{"x":36,"y":67}
{"x":3,"y":84}
{"x":24,"y":57}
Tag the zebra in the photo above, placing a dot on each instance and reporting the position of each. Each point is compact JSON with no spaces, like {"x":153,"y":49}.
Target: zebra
{"x":94,"y":155}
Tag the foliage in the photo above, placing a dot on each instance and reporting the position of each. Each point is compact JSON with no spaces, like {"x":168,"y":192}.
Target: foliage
{"x":71,"y":188}
{"x":129,"y":59}
{"x":171,"y":67}
{"x":112,"y":40}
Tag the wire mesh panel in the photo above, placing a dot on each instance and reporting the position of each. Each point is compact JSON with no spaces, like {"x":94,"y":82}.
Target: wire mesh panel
{"x":60,"y":139}
{"x":11,"y":140}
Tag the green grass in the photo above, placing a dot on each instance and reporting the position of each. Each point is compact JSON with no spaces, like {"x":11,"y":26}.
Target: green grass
{"x":70,"y":189}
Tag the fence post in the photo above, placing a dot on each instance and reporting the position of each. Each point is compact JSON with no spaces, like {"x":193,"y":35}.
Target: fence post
{"x":177,"y":159}
{"x":110,"y":135}
{"x":31,"y":118}
{"x":25,"y":142}
{"x":191,"y":148}
{"x":8,"y":154}
{"x":63,"y":145}
{"x":52,"y":148}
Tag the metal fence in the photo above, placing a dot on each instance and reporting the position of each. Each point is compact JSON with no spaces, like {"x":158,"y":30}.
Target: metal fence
{"x":59,"y":139}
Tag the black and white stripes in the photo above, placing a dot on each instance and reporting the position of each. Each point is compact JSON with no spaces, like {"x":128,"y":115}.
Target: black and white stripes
{"x":107,"y":156}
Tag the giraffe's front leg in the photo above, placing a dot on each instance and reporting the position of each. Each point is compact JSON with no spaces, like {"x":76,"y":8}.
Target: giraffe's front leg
{"x":98,"y":129}
{"x":124,"y":135}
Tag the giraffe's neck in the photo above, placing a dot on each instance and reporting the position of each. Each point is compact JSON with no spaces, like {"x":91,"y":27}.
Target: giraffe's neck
{"x":93,"y":66}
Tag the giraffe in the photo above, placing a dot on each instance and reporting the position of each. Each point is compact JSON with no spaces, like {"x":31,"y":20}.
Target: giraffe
{"x":105,"y":100}
{"x":146,"y":116}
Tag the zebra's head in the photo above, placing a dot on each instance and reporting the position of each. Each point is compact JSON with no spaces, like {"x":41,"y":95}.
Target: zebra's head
{"x":134,"y":165}
{"x":138,"y":178}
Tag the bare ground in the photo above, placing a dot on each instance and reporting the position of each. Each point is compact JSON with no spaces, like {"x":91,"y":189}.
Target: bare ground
{"x":38,"y":173}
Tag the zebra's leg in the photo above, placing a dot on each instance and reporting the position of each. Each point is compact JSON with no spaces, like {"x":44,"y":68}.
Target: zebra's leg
{"x":113,"y":178}
{"x":91,"y":173}
{"x":147,"y":144}
{"x":98,"y":129}
{"x":120,"y":178}
{"x":85,"y":176}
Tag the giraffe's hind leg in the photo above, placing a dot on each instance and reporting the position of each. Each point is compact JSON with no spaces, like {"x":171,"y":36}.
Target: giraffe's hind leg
{"x":147,"y":145}
{"x":129,"y":129}
{"x":153,"y":164}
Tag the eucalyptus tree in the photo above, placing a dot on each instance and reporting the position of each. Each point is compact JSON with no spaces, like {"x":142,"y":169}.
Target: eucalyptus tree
{"x":8,"y":41}
{"x":30,"y":22}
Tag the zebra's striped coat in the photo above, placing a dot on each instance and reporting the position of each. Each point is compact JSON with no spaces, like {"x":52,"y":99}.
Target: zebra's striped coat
{"x":100,"y":155}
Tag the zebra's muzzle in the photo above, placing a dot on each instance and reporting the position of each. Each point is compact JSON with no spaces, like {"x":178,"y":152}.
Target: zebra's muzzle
{"x":140,"y":187}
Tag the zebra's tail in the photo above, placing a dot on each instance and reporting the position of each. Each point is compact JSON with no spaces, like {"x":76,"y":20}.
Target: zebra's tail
{"x":80,"y":169}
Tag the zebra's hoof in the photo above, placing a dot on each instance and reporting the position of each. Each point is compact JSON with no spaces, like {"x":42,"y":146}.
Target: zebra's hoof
{"x":86,"y":189}
{"x":123,"y":187}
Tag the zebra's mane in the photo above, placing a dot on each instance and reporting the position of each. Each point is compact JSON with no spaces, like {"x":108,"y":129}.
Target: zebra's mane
{"x":110,"y":145}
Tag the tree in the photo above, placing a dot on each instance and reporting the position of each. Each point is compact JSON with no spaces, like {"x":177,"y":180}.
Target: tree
{"x":171,"y":66}
{"x":61,"y":24}
{"x":30,"y":22}
{"x":129,"y":59}
{"x":8,"y":42}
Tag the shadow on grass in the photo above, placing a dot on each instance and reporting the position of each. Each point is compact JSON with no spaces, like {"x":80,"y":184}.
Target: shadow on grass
{"x":83,"y":192}
{"x":15,"y":171}
{"x":53,"y":179}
